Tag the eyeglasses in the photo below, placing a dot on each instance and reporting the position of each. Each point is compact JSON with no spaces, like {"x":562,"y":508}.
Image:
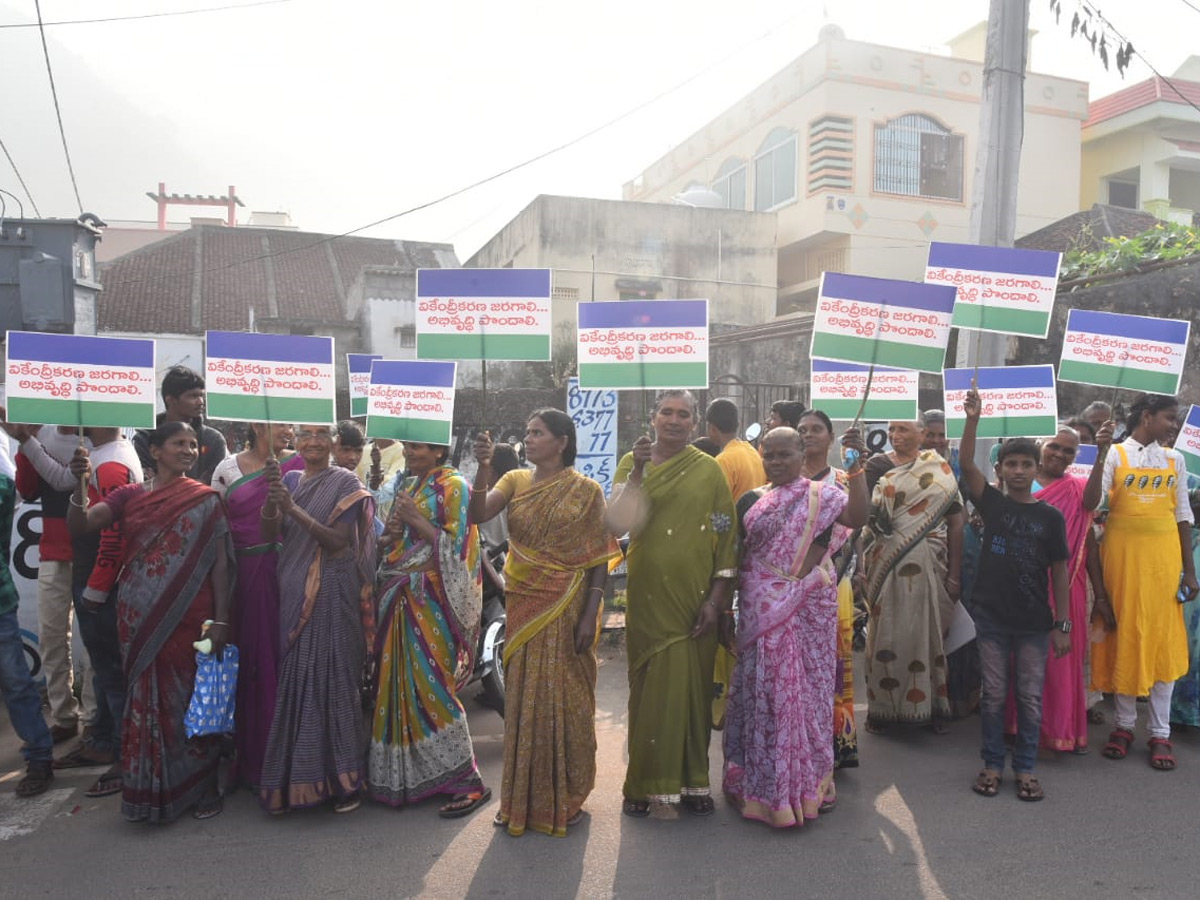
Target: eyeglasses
{"x":313,"y":436}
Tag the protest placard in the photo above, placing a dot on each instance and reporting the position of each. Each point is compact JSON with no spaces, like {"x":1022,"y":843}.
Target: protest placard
{"x":879,"y":321}
{"x":1139,"y":353}
{"x":411,"y":400}
{"x":1188,"y":441}
{"x":595,"y":416}
{"x":358,"y":368}
{"x":1018,"y":401}
{"x":483,"y":314}
{"x":75,"y":379}
{"x":1004,"y":289}
{"x":838,"y":389}
{"x":1085,"y":460}
{"x":252,"y":377}
{"x":637,"y":344}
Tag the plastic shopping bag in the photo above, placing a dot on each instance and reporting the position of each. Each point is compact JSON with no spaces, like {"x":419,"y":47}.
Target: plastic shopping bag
{"x":214,"y":696}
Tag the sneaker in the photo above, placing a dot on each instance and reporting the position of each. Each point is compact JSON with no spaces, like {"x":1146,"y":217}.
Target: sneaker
{"x":38,"y":775}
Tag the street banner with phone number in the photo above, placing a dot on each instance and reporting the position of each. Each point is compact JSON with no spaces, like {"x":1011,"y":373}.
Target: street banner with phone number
{"x":74,"y":379}
{"x":253,"y":377}
{"x":595,"y":416}
{"x":1018,"y":401}
{"x":411,"y":400}
{"x":1005,"y":289}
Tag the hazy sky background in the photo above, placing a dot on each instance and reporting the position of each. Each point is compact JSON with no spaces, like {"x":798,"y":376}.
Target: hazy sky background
{"x":344,"y":112}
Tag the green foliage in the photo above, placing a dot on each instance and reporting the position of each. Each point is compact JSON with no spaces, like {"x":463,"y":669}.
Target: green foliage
{"x":1162,"y":243}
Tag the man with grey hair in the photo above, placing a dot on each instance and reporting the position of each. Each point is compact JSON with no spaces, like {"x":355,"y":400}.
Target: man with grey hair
{"x":675,"y":503}
{"x":1096,"y":414}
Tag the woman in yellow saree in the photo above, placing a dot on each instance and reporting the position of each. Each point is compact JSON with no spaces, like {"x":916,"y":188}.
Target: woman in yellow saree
{"x":554,"y":575}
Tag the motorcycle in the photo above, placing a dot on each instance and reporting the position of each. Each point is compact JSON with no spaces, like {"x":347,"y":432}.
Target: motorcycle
{"x":489,"y":656}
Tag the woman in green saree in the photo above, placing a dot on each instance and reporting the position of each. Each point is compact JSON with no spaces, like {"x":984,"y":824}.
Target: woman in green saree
{"x":675,"y":503}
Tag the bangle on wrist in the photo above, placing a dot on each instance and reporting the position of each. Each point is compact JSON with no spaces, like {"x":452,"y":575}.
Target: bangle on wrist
{"x":223,"y":624}
{"x":272,"y":518}
{"x":80,"y":504}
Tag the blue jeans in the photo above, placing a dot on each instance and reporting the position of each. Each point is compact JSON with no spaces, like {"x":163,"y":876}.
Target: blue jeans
{"x":21,"y":695}
{"x":98,"y":630}
{"x":1010,"y":657}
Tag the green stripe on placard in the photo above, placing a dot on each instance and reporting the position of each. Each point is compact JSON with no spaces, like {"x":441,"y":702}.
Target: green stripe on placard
{"x":420,"y":431}
{"x":1030,"y":322}
{"x":94,"y":413}
{"x":1118,"y":377}
{"x":1191,"y":460}
{"x":358,"y":406}
{"x":882,"y":410}
{"x":255,"y":408}
{"x":528,"y":347}
{"x":1007,"y":426}
{"x":844,"y":348}
{"x":643,"y":375}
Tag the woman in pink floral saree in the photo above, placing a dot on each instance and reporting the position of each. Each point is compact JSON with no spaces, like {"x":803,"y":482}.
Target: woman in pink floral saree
{"x":778,"y":752}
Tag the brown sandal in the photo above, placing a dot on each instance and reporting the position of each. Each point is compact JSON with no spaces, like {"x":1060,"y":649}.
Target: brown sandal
{"x":986,"y":784}
{"x":1162,"y":754}
{"x":1118,"y":744}
{"x":1030,"y":790}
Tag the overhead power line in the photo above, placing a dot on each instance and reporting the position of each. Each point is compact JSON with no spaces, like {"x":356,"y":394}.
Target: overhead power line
{"x":21,"y":180}
{"x":57,"y":110}
{"x":1113,"y":28}
{"x":157,"y":15}
{"x":20,"y":205}
{"x":487,"y":180}
{"x":1191,"y":4}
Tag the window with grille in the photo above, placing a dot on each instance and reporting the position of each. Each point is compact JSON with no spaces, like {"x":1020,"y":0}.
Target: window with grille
{"x":730,"y":183}
{"x":916,"y":156}
{"x":775,"y":170}
{"x":406,"y":336}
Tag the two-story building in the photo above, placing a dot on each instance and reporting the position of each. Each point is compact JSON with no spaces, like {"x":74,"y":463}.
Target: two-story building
{"x":866,"y":153}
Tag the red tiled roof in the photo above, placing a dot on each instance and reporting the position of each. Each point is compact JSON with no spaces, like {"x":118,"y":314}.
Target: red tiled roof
{"x":1142,"y":94}
{"x":151,"y":289}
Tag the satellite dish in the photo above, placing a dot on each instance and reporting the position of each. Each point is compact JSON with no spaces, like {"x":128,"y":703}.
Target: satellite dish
{"x":700,"y":197}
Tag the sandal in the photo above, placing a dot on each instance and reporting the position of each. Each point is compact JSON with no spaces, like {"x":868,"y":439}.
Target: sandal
{"x":499,"y":821}
{"x":939,"y":726}
{"x":1030,"y":790}
{"x":106,"y":785}
{"x":1162,"y":755}
{"x":348,"y":804}
{"x":208,"y":807}
{"x":638,"y":809}
{"x":828,"y":805}
{"x":698,"y":805}
{"x":464,"y":804}
{"x":875,"y":727}
{"x":1118,"y":744}
{"x":38,"y":775}
{"x":576,"y":819}
{"x":83,"y":757}
{"x":986,"y":784}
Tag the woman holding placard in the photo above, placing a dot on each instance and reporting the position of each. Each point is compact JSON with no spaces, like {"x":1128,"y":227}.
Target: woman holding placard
{"x":175,"y":576}
{"x":326,"y":521}
{"x":430,"y":599}
{"x":559,"y":548}
{"x":242,"y":478}
{"x":912,"y":554}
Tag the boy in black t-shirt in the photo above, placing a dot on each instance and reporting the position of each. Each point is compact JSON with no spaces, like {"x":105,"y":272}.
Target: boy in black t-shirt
{"x":1024,"y":548}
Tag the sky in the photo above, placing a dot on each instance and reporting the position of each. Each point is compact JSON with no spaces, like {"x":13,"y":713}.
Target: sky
{"x":343,"y":113}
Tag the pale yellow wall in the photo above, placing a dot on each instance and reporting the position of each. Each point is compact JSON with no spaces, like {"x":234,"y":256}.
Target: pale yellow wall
{"x":1106,"y":156}
{"x":872,"y":84}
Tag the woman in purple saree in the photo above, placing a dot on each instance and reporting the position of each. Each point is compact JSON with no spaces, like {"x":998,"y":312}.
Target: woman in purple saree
{"x":241,"y":479}
{"x":778,"y":751}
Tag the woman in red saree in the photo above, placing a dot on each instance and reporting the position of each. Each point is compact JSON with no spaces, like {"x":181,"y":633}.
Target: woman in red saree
{"x":559,"y":548}
{"x":176,"y":574}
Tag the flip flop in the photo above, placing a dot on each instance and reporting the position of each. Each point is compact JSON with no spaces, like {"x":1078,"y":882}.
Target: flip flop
{"x":637,"y":809}
{"x":576,"y":819}
{"x":701,"y":805}
{"x":464,"y":804}
{"x":106,"y":785}
{"x":208,"y":807}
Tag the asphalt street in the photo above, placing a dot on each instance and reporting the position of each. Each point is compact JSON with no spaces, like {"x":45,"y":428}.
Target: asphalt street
{"x":906,"y":825}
